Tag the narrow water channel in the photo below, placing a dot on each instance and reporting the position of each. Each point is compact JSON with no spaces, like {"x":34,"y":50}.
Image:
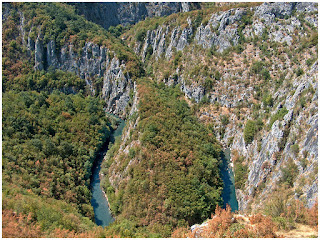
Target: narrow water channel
{"x":99,"y":203}
{"x":229,"y":191}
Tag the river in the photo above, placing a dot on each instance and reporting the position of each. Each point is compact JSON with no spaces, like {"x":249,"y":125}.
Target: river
{"x":99,"y":203}
{"x":229,"y":191}
{"x":101,"y":209}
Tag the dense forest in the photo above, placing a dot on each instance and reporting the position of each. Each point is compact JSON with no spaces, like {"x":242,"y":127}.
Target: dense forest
{"x":175,"y":168}
{"x":52,"y":131}
{"x":49,"y":143}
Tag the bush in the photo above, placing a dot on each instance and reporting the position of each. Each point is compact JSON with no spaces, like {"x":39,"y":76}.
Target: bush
{"x":295,"y":149}
{"x":141,"y":34}
{"x":276,"y":204}
{"x":310,"y":61}
{"x":240,"y":175}
{"x":208,"y":84}
{"x":278,"y":116}
{"x":304,"y":163}
{"x":224,"y":120}
{"x":116,"y":31}
{"x":259,"y":68}
{"x":177,"y":58}
{"x":265,"y":74}
{"x":283,"y":223}
{"x":299,"y":72}
{"x":289,"y":173}
{"x":251,"y":128}
{"x":267,"y":100}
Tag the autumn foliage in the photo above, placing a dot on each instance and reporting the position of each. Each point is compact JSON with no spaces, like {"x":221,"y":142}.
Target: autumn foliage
{"x":21,"y":226}
{"x":313,"y":215}
{"x":18,"y":226}
{"x":225,"y":224}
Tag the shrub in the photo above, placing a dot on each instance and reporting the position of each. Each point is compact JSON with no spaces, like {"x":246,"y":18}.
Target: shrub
{"x":295,"y":149}
{"x":267,"y":100}
{"x":303,"y":163}
{"x":208,"y":84}
{"x":289,"y":173}
{"x":310,"y":61}
{"x":141,"y":34}
{"x":299,"y":72}
{"x":116,"y":31}
{"x":177,"y":58}
{"x":205,"y":100}
{"x":265,"y":74}
{"x":265,"y":34}
{"x":132,"y":153}
{"x":278,"y":116}
{"x":257,"y":67}
{"x":276,"y":204}
{"x":312,"y":216}
{"x":149,"y":52}
{"x":224,"y":120}
{"x":241,"y":173}
{"x":251,"y":128}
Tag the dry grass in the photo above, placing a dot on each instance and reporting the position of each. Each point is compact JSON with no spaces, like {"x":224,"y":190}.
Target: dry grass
{"x":301,"y":231}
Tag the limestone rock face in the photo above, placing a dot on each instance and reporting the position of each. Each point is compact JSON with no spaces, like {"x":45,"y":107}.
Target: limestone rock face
{"x":267,"y":161}
{"x":90,"y":63}
{"x":112,"y":14}
{"x":116,"y":87}
{"x":221,"y":30}
{"x":269,"y":11}
{"x":156,"y":40}
{"x":221,"y":33}
{"x":52,"y":59}
{"x":185,"y":35}
{"x":154,"y":43}
{"x":38,"y":55}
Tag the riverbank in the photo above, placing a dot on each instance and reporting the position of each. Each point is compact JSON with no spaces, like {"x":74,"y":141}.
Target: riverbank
{"x":99,"y":201}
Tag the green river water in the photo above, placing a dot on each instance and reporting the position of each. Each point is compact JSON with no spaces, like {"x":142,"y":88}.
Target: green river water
{"x":229,"y":191}
{"x":99,"y":203}
{"x":102,"y":213}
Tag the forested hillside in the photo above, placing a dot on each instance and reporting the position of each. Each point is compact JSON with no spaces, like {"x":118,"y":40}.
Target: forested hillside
{"x":208,"y":77}
{"x":53,"y":125}
{"x":170,"y":174}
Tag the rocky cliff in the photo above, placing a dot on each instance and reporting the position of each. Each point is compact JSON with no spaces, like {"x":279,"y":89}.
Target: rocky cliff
{"x":92,"y":63}
{"x":230,"y":62}
{"x":293,"y":137}
{"x":104,"y":73}
{"x":221,"y":32}
{"x":112,"y":14}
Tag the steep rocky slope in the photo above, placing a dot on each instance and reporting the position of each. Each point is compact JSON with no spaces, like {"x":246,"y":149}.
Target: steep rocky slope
{"x":112,"y":14}
{"x":97,"y":58}
{"x":247,"y":71}
{"x":247,"y":66}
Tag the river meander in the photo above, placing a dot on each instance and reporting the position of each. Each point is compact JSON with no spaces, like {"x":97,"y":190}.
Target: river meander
{"x":101,"y":209}
{"x":99,"y":203}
